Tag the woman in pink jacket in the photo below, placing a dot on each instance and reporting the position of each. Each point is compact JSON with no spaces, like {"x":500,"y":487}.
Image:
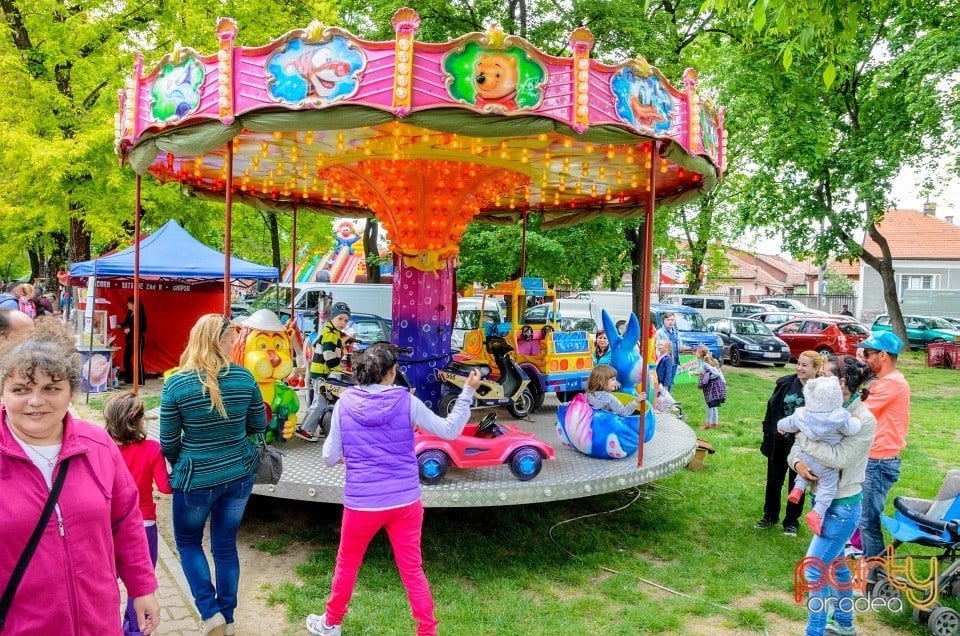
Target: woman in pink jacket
{"x":94,"y":534}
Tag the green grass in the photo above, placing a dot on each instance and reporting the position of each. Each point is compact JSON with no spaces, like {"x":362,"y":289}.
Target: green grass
{"x":683,"y":549}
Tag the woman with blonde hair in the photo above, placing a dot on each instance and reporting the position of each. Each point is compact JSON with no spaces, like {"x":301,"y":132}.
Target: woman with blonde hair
{"x":208,"y":409}
{"x":787,"y":397}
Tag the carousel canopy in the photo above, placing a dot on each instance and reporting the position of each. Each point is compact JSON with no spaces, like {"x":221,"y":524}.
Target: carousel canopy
{"x":419,"y":134}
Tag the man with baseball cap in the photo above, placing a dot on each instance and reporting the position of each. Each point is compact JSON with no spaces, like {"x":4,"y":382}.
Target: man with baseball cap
{"x":889,"y":401}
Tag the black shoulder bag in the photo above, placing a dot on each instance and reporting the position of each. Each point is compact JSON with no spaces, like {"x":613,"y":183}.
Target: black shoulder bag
{"x":31,"y":547}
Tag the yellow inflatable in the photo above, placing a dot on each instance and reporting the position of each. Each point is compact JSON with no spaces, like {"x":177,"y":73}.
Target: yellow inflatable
{"x":263,"y":347}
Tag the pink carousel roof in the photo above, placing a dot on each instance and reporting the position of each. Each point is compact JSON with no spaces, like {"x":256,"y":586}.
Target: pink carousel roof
{"x":483,"y":127}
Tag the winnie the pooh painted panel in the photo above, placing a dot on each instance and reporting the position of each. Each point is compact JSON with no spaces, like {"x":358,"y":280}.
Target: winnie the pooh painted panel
{"x":504,"y":81}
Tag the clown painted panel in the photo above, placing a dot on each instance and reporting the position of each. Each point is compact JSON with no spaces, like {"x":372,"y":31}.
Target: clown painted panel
{"x":315,"y":74}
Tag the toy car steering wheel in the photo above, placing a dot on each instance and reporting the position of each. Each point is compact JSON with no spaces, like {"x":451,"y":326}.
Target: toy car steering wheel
{"x":526,"y":333}
{"x":487,"y":425}
{"x":546,"y":331}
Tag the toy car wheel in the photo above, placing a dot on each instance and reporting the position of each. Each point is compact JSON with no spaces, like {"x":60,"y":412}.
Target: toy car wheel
{"x":538,"y":396}
{"x":521,"y":406}
{"x":735,"y":356}
{"x":433,"y":465}
{"x":944,"y":621}
{"x":525,"y":463}
{"x":446,"y":404}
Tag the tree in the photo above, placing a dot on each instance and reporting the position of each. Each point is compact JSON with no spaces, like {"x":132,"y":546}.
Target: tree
{"x":826,"y":157}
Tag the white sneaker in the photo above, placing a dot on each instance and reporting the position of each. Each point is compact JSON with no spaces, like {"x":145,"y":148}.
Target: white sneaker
{"x":317,"y":625}
{"x":216,"y":625}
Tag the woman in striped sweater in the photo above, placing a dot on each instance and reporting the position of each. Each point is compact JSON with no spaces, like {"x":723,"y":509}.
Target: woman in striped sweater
{"x":207,"y":410}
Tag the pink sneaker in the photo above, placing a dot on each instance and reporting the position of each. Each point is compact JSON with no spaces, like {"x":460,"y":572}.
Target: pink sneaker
{"x":795,"y":495}
{"x":813,"y":520}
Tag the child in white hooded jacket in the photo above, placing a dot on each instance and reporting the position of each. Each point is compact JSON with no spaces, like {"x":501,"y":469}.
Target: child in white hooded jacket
{"x":822,"y":418}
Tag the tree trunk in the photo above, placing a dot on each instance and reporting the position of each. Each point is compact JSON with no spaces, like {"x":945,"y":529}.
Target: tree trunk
{"x":79,"y":238}
{"x":274,"y":228}
{"x":372,"y":252}
{"x":884,"y":267}
{"x":636,"y":237}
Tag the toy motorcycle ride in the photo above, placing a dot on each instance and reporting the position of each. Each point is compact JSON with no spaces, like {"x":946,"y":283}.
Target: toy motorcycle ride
{"x":510,"y":388}
{"x":328,"y":389}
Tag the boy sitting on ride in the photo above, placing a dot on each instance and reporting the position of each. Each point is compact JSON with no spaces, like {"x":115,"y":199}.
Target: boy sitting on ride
{"x":327,"y":358}
{"x":600,"y":387}
{"x":821,"y":419}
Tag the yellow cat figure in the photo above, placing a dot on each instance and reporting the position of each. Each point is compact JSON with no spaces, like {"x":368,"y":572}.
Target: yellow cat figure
{"x":264,"y":348}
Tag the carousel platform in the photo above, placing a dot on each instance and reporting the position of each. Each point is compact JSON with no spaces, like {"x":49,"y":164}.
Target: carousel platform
{"x":569,"y":476}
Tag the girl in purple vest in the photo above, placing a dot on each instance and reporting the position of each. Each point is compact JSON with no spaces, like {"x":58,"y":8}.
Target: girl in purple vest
{"x":371,"y":431}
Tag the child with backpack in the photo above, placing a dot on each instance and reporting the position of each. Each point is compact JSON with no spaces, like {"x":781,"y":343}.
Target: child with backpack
{"x":713,"y":385}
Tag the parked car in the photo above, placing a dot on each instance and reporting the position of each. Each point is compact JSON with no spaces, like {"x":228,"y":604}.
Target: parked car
{"x":468,"y":317}
{"x":369,"y":328}
{"x":823,"y":334}
{"x":708,"y":306}
{"x":575,"y":315}
{"x":745,"y":310}
{"x":953,"y":321}
{"x":921,"y":330}
{"x":744,"y":339}
{"x":775,"y":318}
{"x":790,"y":304}
{"x":691,"y":328}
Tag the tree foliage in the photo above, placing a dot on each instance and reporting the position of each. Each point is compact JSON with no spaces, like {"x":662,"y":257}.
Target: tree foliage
{"x":822,"y":160}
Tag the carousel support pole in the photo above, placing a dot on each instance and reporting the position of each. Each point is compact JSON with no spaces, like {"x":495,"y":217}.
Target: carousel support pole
{"x":137,"y":211}
{"x":523,"y":247}
{"x":227,"y":229}
{"x":645,"y":299}
{"x":293,"y":269}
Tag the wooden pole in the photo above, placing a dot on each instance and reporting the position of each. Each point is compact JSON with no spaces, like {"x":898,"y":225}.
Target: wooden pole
{"x":645,"y":298}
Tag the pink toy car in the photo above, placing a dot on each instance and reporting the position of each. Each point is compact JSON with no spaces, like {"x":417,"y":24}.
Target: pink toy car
{"x":485,"y":444}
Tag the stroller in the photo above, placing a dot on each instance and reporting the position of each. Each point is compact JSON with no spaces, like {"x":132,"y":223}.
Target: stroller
{"x":934,"y":524}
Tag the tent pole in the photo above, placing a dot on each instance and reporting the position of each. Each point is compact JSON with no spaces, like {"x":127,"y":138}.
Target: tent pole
{"x":228,"y":221}
{"x":136,"y":292}
{"x":645,"y":299}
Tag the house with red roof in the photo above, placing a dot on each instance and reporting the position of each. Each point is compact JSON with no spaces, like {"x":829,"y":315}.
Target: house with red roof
{"x":925,"y":251}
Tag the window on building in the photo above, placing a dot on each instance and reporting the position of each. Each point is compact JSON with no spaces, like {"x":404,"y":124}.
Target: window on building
{"x":915,"y":281}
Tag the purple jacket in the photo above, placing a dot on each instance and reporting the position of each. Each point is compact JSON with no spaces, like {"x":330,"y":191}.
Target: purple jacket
{"x":378,"y":449}
{"x":70,"y":586}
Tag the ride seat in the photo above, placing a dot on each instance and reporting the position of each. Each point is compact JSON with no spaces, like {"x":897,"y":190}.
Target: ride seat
{"x":465,"y":368}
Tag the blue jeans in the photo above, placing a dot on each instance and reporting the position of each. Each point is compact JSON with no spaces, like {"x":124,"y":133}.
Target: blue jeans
{"x":881,"y":475}
{"x":826,"y":550}
{"x":224,"y":506}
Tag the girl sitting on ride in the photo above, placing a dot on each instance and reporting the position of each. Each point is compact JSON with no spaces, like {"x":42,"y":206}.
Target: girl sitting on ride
{"x":600,"y":387}
{"x":602,"y":351}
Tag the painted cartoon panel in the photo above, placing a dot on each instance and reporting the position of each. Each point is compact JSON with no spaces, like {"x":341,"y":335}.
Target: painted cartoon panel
{"x":317,"y":74}
{"x":505,"y":80}
{"x":642,"y":102}
{"x":708,"y":125}
{"x":176,"y":91}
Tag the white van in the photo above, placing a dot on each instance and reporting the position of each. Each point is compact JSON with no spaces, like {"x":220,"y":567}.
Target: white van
{"x":618,"y":304}
{"x":468,"y":317}
{"x":362,"y":298}
{"x":708,"y":306}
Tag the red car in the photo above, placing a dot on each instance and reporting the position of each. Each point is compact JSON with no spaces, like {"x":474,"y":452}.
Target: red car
{"x":823,"y":334}
{"x":485,"y":444}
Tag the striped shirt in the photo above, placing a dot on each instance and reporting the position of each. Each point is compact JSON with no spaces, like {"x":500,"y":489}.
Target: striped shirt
{"x":205,"y":449}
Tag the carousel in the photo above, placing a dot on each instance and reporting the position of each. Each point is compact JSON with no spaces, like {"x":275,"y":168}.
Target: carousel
{"x":428,"y":137}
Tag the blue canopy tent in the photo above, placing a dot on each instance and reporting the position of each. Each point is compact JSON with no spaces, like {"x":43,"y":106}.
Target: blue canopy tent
{"x":178,"y":284}
{"x":172,"y":253}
